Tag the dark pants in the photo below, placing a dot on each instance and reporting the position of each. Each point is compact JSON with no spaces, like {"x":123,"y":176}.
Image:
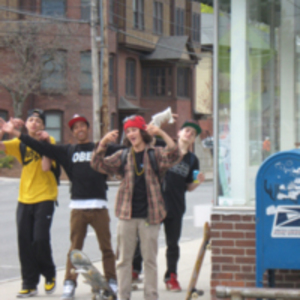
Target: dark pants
{"x":35,"y":254}
{"x":99,"y":220}
{"x":172,"y":227}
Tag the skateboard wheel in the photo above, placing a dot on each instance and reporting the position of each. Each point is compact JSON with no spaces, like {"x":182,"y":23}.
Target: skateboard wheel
{"x":135,"y":287}
{"x":90,"y":272}
{"x":195,"y":295}
{"x":77,"y":256}
{"x":73,"y":271}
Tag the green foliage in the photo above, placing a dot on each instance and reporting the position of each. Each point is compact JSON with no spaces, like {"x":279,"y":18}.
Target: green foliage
{"x":6,"y":161}
{"x":207,"y":9}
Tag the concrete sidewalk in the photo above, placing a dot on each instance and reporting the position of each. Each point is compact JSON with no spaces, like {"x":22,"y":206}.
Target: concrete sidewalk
{"x":188,"y":251}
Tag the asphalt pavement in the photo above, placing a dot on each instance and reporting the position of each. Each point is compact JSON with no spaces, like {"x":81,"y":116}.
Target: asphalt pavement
{"x":189,"y":249}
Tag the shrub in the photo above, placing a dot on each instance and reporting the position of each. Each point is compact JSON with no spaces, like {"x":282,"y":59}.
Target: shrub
{"x":6,"y":161}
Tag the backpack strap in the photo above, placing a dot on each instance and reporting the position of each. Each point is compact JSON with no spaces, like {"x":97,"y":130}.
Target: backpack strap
{"x":22,"y":151}
{"x":123,"y":160}
{"x":153,"y":161}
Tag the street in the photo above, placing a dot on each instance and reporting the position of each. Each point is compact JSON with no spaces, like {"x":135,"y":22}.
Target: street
{"x":9,"y":262}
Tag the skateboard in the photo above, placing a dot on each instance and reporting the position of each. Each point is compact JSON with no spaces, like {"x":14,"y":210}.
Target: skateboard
{"x":192,"y":292}
{"x":100,"y":288}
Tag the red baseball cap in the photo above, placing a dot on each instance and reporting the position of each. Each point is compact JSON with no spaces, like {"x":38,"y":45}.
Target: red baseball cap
{"x":134,"y":121}
{"x":77,"y":118}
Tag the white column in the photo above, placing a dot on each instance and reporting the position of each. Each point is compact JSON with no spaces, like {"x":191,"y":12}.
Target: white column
{"x":287,"y":75}
{"x":238,"y":101}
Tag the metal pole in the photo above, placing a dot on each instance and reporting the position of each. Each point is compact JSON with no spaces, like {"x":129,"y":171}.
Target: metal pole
{"x":216,"y":101}
{"x":95,"y":73}
{"x":101,"y":47}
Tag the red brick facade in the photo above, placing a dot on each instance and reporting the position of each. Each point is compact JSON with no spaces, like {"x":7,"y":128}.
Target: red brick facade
{"x":233,"y":253}
{"x":75,"y":101}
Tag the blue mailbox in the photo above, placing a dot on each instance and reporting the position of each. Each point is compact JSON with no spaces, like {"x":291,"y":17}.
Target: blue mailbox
{"x":278,"y":214}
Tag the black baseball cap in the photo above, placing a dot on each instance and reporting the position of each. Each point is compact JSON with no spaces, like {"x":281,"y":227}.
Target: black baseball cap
{"x":36,"y":112}
{"x":192,"y":123}
{"x":77,"y":118}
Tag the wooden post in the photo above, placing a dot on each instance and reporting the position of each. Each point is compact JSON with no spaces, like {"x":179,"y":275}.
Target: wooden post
{"x":95,"y":73}
{"x":105,"y":72}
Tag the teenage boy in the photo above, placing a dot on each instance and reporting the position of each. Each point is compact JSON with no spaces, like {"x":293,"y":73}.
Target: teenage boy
{"x":88,"y":197}
{"x":178,"y":180}
{"x":36,"y":201}
{"x":139,"y":203}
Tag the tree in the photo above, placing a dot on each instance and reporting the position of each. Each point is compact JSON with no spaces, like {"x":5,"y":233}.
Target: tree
{"x":30,"y":60}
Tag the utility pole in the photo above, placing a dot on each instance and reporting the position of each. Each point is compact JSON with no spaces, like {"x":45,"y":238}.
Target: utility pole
{"x":104,"y":69}
{"x":95,"y":73}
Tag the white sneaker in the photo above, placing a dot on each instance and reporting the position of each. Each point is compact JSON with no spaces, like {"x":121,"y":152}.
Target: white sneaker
{"x":113,"y":285}
{"x":69,"y":290}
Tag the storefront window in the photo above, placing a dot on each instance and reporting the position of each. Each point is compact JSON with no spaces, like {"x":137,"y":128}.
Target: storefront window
{"x":258,"y":87}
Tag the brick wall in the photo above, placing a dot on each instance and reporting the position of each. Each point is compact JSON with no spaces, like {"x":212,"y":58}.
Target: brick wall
{"x":233,"y":253}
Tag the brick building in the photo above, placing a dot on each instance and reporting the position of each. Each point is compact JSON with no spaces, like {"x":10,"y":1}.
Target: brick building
{"x":153,"y":47}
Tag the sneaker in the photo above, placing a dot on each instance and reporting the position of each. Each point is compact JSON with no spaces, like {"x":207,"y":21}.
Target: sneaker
{"x":50,"y":286}
{"x":69,"y":290}
{"x":26,"y":293}
{"x":172,"y":284}
{"x":113,"y":285}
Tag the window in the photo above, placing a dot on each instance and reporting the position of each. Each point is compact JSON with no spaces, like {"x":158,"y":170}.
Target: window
{"x":54,"y":72}
{"x":156,"y":82}
{"x":196,"y":27}
{"x":85,"y":9}
{"x":179,"y":21}
{"x":85,"y":71}
{"x":112,"y":14}
{"x":183,"y":82}
{"x":157,"y":17}
{"x":53,"y":7}
{"x":28,"y":5}
{"x":53,"y":124}
{"x":138,"y":14}
{"x":130,"y":77}
{"x":111,"y":72}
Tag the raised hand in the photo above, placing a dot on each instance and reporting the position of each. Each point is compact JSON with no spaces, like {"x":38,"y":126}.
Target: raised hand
{"x":8,"y":127}
{"x":153,"y":130}
{"x":18,"y":123}
{"x":43,"y":136}
{"x":109,"y":137}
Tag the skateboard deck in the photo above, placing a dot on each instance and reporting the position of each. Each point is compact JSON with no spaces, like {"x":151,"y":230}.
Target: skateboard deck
{"x":92,"y":276}
{"x":192,"y":292}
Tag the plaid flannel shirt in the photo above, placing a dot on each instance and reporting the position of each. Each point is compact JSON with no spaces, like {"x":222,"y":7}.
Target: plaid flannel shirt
{"x":165,"y":158}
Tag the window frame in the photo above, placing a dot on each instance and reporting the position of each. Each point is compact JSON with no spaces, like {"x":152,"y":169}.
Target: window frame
{"x":60,"y":128}
{"x":150,"y":81}
{"x":183,"y":82}
{"x":45,"y":2}
{"x":138,"y":14}
{"x":46,"y":87}
{"x":85,"y":72}
{"x":196,"y":27}
{"x":158,"y":8}
{"x":130,"y":78}
{"x":179,"y":21}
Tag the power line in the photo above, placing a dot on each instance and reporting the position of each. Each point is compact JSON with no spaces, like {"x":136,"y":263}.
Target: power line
{"x":60,"y":19}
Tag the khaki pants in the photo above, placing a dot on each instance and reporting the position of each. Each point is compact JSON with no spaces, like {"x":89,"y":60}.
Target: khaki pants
{"x":126,"y":242}
{"x":99,"y":220}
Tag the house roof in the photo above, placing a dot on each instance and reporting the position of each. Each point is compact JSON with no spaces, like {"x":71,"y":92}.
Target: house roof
{"x":163,"y":49}
{"x":124,"y":104}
